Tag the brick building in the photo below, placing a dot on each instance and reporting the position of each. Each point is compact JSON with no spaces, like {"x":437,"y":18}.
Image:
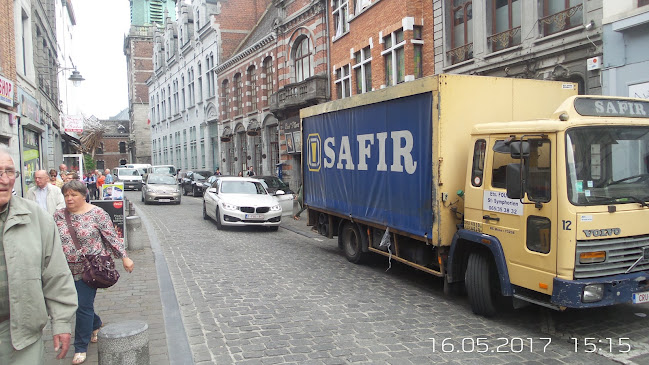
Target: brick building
{"x":113,"y":148}
{"x":375,"y":44}
{"x":8,"y":96}
{"x":146,"y":17}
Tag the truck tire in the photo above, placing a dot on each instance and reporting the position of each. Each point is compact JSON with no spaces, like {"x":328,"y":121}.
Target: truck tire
{"x":352,"y":243}
{"x":481,"y":282}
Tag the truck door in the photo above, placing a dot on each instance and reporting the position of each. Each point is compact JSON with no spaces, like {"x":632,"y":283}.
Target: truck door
{"x":525,"y":229}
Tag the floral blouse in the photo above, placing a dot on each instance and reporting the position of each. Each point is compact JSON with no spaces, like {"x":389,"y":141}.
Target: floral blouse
{"x":90,"y":228}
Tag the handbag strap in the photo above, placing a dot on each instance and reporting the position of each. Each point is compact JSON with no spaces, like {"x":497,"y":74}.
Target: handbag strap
{"x":73,"y":233}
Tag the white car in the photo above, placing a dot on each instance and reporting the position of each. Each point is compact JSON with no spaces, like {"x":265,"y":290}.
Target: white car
{"x":241,"y":201}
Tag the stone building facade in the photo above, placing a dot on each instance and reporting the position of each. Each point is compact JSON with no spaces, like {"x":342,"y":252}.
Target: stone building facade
{"x":8,"y":95}
{"x":536,"y":39}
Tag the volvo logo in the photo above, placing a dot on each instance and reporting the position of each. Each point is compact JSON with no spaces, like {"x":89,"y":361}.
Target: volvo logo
{"x":602,"y":232}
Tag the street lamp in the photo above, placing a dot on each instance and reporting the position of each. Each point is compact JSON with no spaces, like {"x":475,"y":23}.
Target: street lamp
{"x":76,"y":77}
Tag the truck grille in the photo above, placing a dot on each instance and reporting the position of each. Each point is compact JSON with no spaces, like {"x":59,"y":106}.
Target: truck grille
{"x":621,"y":253}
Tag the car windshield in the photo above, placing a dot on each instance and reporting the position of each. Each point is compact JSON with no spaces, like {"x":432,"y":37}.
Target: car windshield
{"x":163,"y":170}
{"x":275,"y":183}
{"x":242,"y":187}
{"x":162,"y":179}
{"x":128,"y":172}
{"x":608,"y":165}
{"x":201,"y":175}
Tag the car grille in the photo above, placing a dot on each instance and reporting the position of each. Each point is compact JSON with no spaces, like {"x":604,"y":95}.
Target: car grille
{"x":621,"y":253}
{"x":252,"y":209}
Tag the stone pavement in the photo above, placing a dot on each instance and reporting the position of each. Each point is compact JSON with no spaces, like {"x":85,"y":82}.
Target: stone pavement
{"x":136,"y":296}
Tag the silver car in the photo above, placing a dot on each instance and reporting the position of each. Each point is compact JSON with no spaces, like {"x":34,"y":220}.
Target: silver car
{"x":161,"y":188}
{"x":241,"y":201}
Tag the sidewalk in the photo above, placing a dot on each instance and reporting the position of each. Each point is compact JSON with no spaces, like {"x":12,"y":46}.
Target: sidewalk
{"x":136,"y":296}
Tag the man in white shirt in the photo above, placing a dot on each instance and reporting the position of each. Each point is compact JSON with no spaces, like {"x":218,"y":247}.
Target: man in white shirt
{"x":46,"y":195}
{"x":109,"y":177}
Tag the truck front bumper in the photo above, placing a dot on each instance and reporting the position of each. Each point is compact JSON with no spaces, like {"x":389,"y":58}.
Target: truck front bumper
{"x":616,"y":289}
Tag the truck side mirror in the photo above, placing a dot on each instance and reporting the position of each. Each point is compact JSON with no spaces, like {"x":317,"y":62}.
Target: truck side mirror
{"x":516,"y":174}
{"x":519,"y":149}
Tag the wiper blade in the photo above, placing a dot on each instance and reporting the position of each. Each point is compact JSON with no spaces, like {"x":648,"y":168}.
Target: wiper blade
{"x":623,"y":199}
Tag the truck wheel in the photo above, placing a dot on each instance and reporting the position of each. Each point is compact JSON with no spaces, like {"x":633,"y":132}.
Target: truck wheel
{"x":352,"y":243}
{"x":481,"y":283}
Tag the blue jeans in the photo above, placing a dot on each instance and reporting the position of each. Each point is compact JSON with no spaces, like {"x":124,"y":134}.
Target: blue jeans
{"x":87,"y":319}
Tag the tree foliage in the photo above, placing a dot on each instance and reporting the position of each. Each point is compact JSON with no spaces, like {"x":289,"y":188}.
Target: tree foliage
{"x":89,"y":162}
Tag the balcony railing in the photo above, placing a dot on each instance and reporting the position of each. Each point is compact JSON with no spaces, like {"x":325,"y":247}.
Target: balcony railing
{"x":562,"y":20}
{"x":308,"y":92}
{"x":506,"y":39}
{"x":460,"y":54}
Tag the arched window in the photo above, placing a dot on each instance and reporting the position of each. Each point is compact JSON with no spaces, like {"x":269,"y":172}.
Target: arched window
{"x":225,"y":98}
{"x":238,"y":93}
{"x":252,"y":87}
{"x":302,"y":59}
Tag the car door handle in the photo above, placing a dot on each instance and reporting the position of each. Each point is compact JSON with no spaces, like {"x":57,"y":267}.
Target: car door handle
{"x":489,"y":218}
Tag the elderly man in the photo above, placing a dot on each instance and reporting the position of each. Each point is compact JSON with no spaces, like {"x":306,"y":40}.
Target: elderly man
{"x":35,"y":280}
{"x":47,"y":196}
{"x":108,"y":177}
{"x":63,"y":169}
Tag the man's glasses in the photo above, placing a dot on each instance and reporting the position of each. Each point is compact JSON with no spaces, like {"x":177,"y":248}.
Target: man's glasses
{"x":10,"y":173}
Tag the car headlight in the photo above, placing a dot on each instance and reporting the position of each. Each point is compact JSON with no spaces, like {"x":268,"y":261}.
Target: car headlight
{"x":276,"y":208}
{"x":593,"y":293}
{"x":227,"y":206}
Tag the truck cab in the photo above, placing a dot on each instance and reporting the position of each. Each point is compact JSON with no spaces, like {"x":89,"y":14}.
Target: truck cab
{"x":557,"y":207}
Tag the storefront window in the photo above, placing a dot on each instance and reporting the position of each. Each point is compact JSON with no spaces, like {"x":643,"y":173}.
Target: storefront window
{"x":31,"y":155}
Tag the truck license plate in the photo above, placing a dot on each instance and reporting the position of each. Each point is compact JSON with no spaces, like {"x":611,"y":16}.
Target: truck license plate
{"x":641,"y":297}
{"x":254,"y":216}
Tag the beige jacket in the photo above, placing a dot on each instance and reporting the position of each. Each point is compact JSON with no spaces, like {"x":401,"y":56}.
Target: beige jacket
{"x":40,"y":281}
{"x":55,"y":200}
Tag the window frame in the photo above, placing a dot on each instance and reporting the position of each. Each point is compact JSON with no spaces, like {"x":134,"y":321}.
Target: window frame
{"x":394,"y":56}
{"x":252,"y":87}
{"x":343,"y":82}
{"x":363,"y":64}
{"x":340,"y":16}
{"x":302,"y":61}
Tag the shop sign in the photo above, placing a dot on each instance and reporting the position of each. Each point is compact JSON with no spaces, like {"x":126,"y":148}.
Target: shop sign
{"x":6,"y":92}
{"x":28,"y":106}
{"x":73,"y":123}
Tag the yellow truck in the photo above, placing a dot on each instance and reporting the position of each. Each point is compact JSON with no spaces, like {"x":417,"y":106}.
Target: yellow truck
{"x":510,"y":188}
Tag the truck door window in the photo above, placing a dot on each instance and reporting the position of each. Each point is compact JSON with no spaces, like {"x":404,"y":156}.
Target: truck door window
{"x":538,"y":234}
{"x":538,"y":166}
{"x":539,"y":179}
{"x":478,"y":162}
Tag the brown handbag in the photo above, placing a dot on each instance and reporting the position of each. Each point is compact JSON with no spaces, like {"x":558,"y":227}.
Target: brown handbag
{"x":98,"y":271}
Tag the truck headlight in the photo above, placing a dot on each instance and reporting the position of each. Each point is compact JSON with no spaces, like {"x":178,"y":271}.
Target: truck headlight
{"x":276,"y":208}
{"x":592,"y":257}
{"x":593,"y":293}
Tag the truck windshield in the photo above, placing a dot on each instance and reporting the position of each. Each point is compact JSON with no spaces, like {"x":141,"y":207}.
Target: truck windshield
{"x":608,"y":165}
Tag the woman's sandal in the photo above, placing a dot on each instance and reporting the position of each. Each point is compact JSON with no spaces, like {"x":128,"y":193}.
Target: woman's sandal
{"x":95,"y":333}
{"x":296,"y":218}
{"x":79,"y":358}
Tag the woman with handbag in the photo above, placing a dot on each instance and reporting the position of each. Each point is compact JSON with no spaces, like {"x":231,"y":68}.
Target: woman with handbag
{"x":88,"y":238}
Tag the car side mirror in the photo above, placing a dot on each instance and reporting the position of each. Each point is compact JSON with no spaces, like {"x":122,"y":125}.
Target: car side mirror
{"x":280,"y":192}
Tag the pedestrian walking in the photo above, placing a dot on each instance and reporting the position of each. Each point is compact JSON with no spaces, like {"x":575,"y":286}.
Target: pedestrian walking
{"x":33,"y":267}
{"x":101,"y":179}
{"x":250,"y":171}
{"x":53,"y":180}
{"x":300,"y":201}
{"x":63,"y":169}
{"x":92,"y":226}
{"x":46,"y":195}
{"x":218,"y":172}
{"x":91,"y":184}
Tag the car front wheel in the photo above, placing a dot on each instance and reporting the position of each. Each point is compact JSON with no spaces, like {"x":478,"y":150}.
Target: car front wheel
{"x":218,"y":219}
{"x":205,"y":216}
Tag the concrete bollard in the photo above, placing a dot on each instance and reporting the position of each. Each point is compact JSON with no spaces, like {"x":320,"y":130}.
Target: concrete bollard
{"x":124,"y":343}
{"x":134,"y":232}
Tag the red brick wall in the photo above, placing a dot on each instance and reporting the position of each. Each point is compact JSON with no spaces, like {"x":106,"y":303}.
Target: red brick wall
{"x":111,"y":155}
{"x":385,"y":16}
{"x":7,"y":46}
{"x":236,"y":20}
{"x":142,"y":61}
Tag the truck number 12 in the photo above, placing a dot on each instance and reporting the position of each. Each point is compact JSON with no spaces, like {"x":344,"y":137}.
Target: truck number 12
{"x":566,"y":225}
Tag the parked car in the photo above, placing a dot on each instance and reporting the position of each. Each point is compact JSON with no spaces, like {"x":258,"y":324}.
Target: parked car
{"x":140,"y":167}
{"x":160,"y":188}
{"x":241,"y":201}
{"x":193,"y":182}
{"x":131,"y":178}
{"x":274,"y":184}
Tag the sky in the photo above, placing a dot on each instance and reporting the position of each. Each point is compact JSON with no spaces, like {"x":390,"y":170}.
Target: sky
{"x":99,"y":56}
